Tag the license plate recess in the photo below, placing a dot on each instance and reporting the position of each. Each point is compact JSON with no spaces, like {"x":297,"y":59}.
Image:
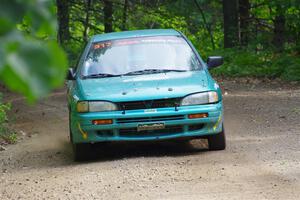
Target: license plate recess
{"x":150,"y":127}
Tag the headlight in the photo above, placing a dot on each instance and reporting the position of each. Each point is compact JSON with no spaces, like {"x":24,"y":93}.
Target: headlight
{"x":82,"y":106}
{"x":98,"y":106}
{"x":95,"y":106}
{"x":200,"y":98}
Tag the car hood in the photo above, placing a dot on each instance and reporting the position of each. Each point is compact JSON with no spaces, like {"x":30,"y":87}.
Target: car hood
{"x":144,"y":87}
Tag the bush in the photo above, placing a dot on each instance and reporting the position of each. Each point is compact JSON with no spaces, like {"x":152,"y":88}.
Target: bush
{"x":6,"y":134}
{"x":240,"y":63}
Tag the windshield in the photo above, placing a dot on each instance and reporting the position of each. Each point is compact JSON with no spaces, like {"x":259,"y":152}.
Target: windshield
{"x":119,"y":57}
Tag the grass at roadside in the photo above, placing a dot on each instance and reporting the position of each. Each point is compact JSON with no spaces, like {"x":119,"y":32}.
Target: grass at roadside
{"x":7,"y":135}
{"x":264,"y":64}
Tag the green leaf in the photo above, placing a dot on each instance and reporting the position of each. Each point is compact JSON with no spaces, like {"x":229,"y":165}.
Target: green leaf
{"x":1,"y":58}
{"x":34,"y":69}
{"x":30,"y":64}
{"x":12,"y":10}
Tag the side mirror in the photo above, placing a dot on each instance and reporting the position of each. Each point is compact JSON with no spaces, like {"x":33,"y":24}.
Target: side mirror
{"x":214,"y":61}
{"x":71,"y":74}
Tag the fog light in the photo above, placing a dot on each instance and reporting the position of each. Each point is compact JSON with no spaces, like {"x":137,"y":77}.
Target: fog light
{"x":102,"y":121}
{"x":199,"y":115}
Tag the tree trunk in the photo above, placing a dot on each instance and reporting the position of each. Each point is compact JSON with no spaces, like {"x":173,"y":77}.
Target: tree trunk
{"x":244,"y":11}
{"x":124,"y":19}
{"x":297,"y":49}
{"x":108,"y":19}
{"x":63,"y":34}
{"x":86,"y":21}
{"x":208,"y":27}
{"x":231,"y":30}
{"x":279,"y":29}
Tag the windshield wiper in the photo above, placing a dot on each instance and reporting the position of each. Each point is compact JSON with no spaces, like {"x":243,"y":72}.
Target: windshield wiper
{"x":145,"y":71}
{"x":100,"y":75}
{"x":152,"y":71}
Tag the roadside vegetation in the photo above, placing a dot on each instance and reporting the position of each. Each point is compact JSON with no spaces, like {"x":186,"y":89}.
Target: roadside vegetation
{"x":265,"y":64}
{"x":7,"y":135}
{"x":260,"y":38}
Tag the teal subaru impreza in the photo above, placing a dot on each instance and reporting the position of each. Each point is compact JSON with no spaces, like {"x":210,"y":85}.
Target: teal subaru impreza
{"x":143,"y":85}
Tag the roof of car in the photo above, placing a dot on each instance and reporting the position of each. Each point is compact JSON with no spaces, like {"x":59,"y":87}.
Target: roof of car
{"x":136,"y":33}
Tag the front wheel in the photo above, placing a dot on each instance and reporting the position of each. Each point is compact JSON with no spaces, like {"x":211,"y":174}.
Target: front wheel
{"x":70,"y":131}
{"x":81,"y":152}
{"x":217,"y":142}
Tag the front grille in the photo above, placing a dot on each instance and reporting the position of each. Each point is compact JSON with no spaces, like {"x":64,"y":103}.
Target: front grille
{"x":132,"y":132}
{"x":150,"y":119}
{"x":148,"y":104}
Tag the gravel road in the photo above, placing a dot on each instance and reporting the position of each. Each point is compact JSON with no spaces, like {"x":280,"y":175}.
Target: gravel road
{"x":262,"y":159}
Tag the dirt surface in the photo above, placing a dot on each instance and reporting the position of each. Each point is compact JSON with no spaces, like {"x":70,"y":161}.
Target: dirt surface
{"x":262,"y":159}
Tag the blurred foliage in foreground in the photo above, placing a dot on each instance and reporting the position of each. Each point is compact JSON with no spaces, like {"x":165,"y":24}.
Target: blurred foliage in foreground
{"x":32,"y":63}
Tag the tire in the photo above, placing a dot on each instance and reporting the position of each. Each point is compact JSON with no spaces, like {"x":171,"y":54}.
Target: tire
{"x":70,"y":131}
{"x":81,"y":152}
{"x":217,"y":142}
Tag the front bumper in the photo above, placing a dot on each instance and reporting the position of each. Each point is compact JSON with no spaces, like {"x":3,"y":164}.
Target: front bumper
{"x":124,"y":126}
